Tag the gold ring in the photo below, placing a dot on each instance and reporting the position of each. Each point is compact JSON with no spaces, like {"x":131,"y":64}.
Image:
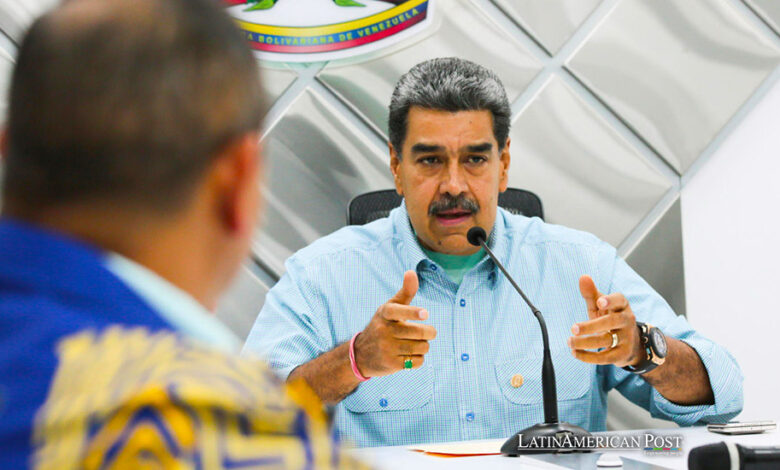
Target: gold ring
{"x":614,"y":340}
{"x":408,"y":362}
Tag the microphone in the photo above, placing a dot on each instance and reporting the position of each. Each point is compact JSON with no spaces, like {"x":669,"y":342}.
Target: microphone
{"x":728,"y":456}
{"x":551,"y":430}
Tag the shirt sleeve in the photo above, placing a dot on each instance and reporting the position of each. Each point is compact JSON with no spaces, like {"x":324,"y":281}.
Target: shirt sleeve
{"x":292,"y":327}
{"x":649,"y":307}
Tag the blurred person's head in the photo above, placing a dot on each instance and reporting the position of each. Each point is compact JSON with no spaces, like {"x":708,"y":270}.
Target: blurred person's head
{"x":449,"y":150}
{"x":134,"y":125}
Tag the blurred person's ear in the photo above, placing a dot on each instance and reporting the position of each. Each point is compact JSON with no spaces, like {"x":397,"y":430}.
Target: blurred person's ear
{"x":3,"y":143}
{"x":235,"y":180}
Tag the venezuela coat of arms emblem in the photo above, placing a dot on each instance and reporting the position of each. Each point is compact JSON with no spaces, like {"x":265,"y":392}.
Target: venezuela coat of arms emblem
{"x":320,"y":30}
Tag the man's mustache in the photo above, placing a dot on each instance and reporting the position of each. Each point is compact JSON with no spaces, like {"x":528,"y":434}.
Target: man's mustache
{"x":448,"y":202}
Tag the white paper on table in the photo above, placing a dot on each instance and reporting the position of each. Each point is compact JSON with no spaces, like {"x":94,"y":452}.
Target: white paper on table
{"x":475,"y":448}
{"x":463,"y":448}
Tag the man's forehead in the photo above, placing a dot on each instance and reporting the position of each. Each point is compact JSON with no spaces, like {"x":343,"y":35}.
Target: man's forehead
{"x":459,"y":129}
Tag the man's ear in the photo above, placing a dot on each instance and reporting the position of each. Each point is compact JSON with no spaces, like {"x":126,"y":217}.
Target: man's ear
{"x":504,"y":161}
{"x":395,"y":168}
{"x":235,"y":182}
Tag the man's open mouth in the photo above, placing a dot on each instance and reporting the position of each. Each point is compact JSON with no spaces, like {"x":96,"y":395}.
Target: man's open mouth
{"x":453,"y":216}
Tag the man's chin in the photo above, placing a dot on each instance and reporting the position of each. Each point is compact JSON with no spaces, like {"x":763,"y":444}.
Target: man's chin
{"x":455,"y":244}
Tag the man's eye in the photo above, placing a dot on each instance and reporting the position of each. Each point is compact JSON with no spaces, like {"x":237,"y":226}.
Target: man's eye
{"x":429,"y":160}
{"x":476,"y":159}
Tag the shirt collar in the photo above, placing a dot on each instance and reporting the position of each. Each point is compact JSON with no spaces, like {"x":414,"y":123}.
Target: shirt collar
{"x":415,"y":259}
{"x":175,"y":306}
{"x":413,"y":255}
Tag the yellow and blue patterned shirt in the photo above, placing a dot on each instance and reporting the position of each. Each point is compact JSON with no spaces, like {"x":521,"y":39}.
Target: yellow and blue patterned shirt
{"x":481,"y":378}
{"x":100,"y":369}
{"x":127,"y":398}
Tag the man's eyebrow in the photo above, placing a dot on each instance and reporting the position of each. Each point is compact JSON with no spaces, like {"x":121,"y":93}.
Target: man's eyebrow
{"x":426,"y":148}
{"x":480,"y":148}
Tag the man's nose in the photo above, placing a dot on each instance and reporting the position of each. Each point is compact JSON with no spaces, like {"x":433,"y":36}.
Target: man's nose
{"x":453,"y":182}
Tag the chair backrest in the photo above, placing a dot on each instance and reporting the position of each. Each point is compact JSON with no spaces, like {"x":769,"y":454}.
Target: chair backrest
{"x":371,"y":206}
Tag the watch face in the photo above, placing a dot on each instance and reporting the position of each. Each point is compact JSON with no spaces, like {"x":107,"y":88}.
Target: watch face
{"x":659,"y":342}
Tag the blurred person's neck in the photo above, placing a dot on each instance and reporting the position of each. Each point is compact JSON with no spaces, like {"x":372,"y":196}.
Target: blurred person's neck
{"x":183,"y":247}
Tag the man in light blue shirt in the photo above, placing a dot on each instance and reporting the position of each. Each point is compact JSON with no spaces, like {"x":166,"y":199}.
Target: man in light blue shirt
{"x":455,"y":354}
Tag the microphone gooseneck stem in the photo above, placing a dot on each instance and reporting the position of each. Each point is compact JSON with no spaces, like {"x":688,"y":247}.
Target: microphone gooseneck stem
{"x":548,"y":371}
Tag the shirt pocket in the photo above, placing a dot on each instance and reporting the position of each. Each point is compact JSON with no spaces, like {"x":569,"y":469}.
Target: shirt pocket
{"x":403,"y":390}
{"x":572,"y":378}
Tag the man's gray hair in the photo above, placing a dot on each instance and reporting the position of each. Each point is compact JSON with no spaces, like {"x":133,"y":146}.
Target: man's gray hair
{"x":449,"y":84}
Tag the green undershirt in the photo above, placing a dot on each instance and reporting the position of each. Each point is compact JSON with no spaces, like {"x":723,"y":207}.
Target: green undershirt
{"x":456,"y":266}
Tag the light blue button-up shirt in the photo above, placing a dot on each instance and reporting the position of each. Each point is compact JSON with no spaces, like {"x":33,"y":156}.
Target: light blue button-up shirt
{"x":486,"y":334}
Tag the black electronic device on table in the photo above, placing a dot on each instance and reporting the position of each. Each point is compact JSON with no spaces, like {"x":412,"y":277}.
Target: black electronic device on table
{"x":731,"y":456}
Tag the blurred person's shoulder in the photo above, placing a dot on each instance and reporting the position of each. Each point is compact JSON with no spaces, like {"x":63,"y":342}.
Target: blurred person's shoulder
{"x":127,"y":388}
{"x":118,"y":364}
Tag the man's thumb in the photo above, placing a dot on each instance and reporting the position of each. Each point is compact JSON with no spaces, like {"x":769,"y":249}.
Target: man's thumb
{"x":589,"y":292}
{"x":408,"y":289}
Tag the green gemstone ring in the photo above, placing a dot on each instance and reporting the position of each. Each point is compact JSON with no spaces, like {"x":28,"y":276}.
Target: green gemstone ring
{"x":408,"y":362}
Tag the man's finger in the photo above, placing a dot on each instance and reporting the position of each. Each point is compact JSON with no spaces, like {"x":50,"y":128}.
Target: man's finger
{"x":408,"y":289}
{"x":417,"y":361}
{"x":603,"y":340}
{"x":613,"y":321}
{"x":609,"y":356}
{"x":616,"y":302}
{"x":408,"y":347}
{"x":414,"y":331}
{"x":590,"y":293}
{"x":399,"y":312}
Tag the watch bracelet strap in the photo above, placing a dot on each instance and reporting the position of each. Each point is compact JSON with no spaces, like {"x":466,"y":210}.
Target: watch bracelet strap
{"x":642,"y":368}
{"x":647,"y":364}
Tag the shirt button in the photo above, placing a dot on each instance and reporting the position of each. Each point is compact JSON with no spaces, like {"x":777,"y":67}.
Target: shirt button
{"x":464,"y":357}
{"x":462,"y":302}
{"x":470,"y":416}
{"x":383,"y":402}
{"x":434,"y":267}
{"x":517,"y":380}
{"x":492,"y":276}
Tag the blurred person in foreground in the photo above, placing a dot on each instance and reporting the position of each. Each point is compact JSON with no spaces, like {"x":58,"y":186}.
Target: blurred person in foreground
{"x":455,"y":354}
{"x":132,"y":169}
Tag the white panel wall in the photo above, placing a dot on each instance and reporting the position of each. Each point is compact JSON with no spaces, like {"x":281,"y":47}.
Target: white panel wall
{"x":731,"y":245}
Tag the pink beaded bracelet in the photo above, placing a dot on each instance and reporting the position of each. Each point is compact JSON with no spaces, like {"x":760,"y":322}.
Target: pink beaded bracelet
{"x":352,"y":361}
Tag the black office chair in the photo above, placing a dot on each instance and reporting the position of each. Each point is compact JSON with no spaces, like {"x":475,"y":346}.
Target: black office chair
{"x":371,"y":206}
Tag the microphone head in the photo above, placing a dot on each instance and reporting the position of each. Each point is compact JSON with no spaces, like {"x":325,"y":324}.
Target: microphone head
{"x":475,"y":235}
{"x":710,"y":457}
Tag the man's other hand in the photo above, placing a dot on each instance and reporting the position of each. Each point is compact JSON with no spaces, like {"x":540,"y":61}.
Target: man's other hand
{"x":607,"y":314}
